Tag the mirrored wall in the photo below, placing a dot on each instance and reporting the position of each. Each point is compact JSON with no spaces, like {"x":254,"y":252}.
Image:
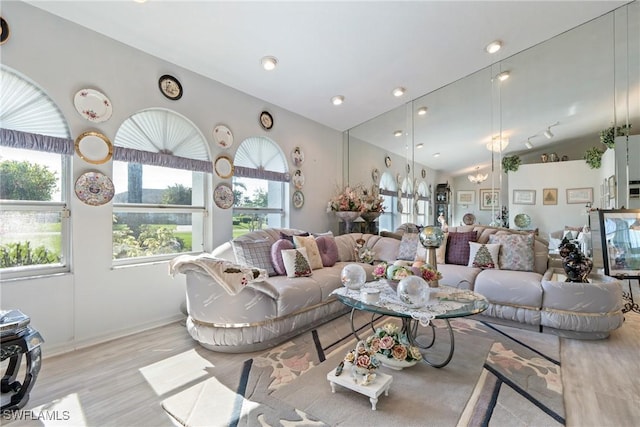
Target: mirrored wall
{"x":570,"y":88}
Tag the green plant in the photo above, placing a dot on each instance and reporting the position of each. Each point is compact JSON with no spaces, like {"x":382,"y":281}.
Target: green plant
{"x":593,"y":156}
{"x":19,"y":254}
{"x":608,"y":136}
{"x":511,"y":163}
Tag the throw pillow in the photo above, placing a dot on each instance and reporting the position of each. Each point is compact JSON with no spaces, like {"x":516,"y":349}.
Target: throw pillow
{"x":255,"y":253}
{"x":313,"y":254}
{"x":328,"y":250}
{"x":483,"y":255}
{"x":276,"y":255}
{"x":458,"y":247}
{"x":296,"y":262}
{"x":289,"y":237}
{"x":516,"y":252}
{"x":408,"y":246}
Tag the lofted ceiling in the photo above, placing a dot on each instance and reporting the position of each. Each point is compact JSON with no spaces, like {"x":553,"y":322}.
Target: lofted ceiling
{"x":361,"y":50}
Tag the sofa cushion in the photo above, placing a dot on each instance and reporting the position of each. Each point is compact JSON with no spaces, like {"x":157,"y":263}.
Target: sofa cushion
{"x":458,"y":247}
{"x":516,"y":252}
{"x":296,"y":262}
{"x":313,"y":254}
{"x":483,"y":255}
{"x":256,"y":253}
{"x":441,"y":251}
{"x":511,"y":288}
{"x":458,"y":275}
{"x":408,"y":246}
{"x":276,"y":255}
{"x":328,"y":250}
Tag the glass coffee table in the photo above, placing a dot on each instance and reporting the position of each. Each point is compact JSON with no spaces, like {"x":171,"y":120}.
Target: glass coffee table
{"x":445,"y":303}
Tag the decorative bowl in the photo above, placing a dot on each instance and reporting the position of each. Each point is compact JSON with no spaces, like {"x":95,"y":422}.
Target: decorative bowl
{"x":522,"y":220}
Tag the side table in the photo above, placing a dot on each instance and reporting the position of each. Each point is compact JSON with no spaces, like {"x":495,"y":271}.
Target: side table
{"x":373,"y":390}
{"x":18,"y":338}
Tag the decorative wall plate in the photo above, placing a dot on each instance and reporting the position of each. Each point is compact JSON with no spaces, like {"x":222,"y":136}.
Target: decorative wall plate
{"x":94,"y":188}
{"x":522,"y":220}
{"x":387,"y":161}
{"x":223,"y":196}
{"x":223,"y":136}
{"x":375,"y":176}
{"x":94,"y":147}
{"x":223,"y":166}
{"x":170,"y":87}
{"x":298,"y":199}
{"x":266,"y":120}
{"x":408,"y":168}
{"x":298,"y":179}
{"x":4,"y":27}
{"x":469,"y":219}
{"x":93,"y":105}
{"x":423,"y":173}
{"x":297,"y":157}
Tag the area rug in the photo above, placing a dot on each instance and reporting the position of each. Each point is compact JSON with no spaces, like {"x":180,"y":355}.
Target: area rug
{"x":498,"y":376}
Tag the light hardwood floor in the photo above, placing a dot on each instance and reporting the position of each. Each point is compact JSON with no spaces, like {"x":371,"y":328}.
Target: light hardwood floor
{"x":121,"y":383}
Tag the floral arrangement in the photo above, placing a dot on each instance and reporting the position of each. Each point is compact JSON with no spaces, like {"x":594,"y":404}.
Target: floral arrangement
{"x":399,"y":272}
{"x":364,"y":253}
{"x":362,"y":357}
{"x":356,"y":199}
{"x":390,"y":342}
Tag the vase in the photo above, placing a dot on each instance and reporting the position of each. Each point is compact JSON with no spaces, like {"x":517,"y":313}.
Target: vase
{"x":348,"y":217}
{"x":396,"y":364}
{"x":370,"y":216}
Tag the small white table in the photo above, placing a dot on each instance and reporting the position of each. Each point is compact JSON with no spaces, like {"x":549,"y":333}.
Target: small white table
{"x":373,"y":390}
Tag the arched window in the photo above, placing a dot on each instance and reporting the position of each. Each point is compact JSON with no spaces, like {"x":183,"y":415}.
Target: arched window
{"x":408,"y":204}
{"x":35,"y":147}
{"x":389,"y":192}
{"x":422,"y":204}
{"x":160,"y":169}
{"x":259,"y":186}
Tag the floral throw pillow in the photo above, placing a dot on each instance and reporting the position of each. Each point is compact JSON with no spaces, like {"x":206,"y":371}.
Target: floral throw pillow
{"x":483,"y":255}
{"x":296,"y":262}
{"x":408,"y":246}
{"x":457,"y":251}
{"x":516,"y":252}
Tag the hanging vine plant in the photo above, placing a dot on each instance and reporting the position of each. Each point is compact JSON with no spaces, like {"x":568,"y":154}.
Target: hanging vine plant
{"x":510,"y":163}
{"x":593,"y":157}
{"x":608,"y":136}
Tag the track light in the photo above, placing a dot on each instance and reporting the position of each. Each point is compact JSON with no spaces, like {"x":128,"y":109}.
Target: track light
{"x":528,"y":144}
{"x":503,"y":76}
{"x":547,"y":133}
{"x":399,"y":91}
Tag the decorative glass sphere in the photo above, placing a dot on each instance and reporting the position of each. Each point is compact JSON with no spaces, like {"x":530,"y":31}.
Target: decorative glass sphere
{"x":413,"y":291}
{"x":431,"y":236}
{"x":353,"y":276}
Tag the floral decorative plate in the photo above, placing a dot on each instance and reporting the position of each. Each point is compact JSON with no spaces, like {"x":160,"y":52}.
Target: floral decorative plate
{"x":469,"y":219}
{"x":223,"y":196}
{"x":297,"y":157}
{"x":223,"y":136}
{"x":522,"y":220}
{"x":93,"y":105}
{"x":298,"y":199}
{"x":375,"y":176}
{"x":94,"y":188}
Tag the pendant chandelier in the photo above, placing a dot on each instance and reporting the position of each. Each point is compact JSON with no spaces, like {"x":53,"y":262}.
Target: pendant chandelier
{"x":478,"y":177}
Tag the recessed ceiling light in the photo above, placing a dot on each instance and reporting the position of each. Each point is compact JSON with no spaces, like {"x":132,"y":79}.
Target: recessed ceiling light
{"x":422,"y":111}
{"x":337,"y":100}
{"x":269,"y":62}
{"x":494,"y":46}
{"x":420,"y":145}
{"x":399,"y":91}
{"x":436,"y":154}
{"x":397,"y":133}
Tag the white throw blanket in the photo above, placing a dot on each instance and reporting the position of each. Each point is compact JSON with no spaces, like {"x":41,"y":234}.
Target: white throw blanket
{"x":231,"y":276}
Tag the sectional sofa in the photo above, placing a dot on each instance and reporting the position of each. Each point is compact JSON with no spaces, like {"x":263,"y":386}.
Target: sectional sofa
{"x":245,"y":296}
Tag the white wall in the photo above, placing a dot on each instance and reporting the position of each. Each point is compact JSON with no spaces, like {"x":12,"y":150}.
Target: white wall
{"x":560,"y":175}
{"x":462,"y":183}
{"x":95,"y":301}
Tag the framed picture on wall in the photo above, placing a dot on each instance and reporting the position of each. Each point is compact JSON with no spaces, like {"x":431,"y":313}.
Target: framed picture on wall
{"x":524,"y":197}
{"x":579,"y":195}
{"x":466,"y":197}
{"x":549,"y":196}
{"x":489,"y":199}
